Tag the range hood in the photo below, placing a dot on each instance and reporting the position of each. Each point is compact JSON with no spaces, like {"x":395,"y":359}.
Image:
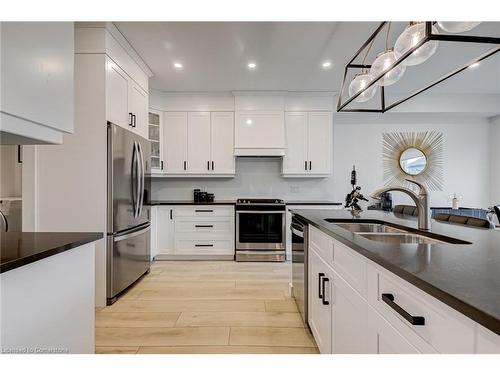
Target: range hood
{"x":259,"y":133}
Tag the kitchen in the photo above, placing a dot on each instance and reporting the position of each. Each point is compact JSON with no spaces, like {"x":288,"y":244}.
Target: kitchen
{"x":229,"y":191}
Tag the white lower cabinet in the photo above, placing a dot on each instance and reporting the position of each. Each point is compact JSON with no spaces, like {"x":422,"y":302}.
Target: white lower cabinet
{"x":384,"y":338}
{"x":350,"y":333}
{"x":320,"y":309}
{"x":371,"y":310}
{"x":194,"y":232}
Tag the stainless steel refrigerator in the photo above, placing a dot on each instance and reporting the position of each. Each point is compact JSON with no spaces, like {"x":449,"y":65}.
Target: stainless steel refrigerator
{"x":128,"y":239}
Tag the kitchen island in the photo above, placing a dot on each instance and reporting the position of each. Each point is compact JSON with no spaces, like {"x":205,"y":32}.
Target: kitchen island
{"x":47,"y":292}
{"x":463,"y":275}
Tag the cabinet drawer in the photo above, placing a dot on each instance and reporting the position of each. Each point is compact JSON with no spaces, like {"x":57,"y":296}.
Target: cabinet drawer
{"x":446,"y":330}
{"x":204,"y":247}
{"x":205,"y":211}
{"x":321,"y":243}
{"x":214,"y":227}
{"x":351,"y":266}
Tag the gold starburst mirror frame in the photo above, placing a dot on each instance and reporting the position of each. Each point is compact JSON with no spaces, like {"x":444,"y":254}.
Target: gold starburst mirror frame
{"x":414,"y":155}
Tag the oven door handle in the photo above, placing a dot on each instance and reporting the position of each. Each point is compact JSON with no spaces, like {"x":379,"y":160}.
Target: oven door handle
{"x":260,"y":212}
{"x":296,"y":232}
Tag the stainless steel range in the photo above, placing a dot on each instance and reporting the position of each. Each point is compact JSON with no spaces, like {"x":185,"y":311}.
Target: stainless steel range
{"x":260,"y":230}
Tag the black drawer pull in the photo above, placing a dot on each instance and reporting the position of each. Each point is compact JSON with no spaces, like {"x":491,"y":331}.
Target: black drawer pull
{"x":415,"y":320}
{"x":323,"y":298}
{"x":203,"y":210}
{"x":202,"y":245}
{"x":203,"y":226}
{"x":320,"y":275}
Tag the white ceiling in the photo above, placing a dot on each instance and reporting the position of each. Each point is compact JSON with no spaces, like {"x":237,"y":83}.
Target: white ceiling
{"x":288,"y":56}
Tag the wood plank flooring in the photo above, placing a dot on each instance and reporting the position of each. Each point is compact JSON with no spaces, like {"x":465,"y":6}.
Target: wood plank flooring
{"x":206,"y":307}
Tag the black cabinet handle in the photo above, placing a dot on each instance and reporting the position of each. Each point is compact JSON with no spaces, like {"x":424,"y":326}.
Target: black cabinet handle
{"x":203,"y":210}
{"x":161,"y":165}
{"x":202,"y":245}
{"x":203,"y":226}
{"x":323,"y":297}
{"x":414,"y":320}
{"x":19,"y":154}
{"x":320,"y":275}
{"x":305,"y":165}
{"x":208,"y":165}
{"x":213,"y":165}
{"x":185,"y":165}
{"x":171,"y":216}
{"x":131,"y":116}
{"x":310,"y":165}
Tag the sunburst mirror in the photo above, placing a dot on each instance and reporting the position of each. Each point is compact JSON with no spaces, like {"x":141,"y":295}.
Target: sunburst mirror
{"x":413,"y":155}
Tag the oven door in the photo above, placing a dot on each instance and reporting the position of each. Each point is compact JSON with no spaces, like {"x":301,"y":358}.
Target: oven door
{"x":260,"y":230}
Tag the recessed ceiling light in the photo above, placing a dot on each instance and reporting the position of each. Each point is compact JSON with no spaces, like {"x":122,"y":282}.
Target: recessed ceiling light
{"x":251,"y":65}
{"x":475,"y":65}
{"x":178,"y":65}
{"x":326,"y":64}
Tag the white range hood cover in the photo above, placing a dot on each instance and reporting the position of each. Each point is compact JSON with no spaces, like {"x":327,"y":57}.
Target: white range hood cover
{"x":259,"y":133}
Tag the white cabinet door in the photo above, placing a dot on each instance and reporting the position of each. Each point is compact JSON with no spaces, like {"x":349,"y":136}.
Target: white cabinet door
{"x":155,"y":132}
{"x":117,"y":93}
{"x":349,"y":319}
{"x":222,"y":141}
{"x":320,"y":143}
{"x":384,"y":338}
{"x":165,"y":230}
{"x":199,"y":142}
{"x":295,"y":160}
{"x":138,"y":106}
{"x":175,"y":133}
{"x":320,"y":315}
{"x":263,"y":130}
{"x":37,"y":60}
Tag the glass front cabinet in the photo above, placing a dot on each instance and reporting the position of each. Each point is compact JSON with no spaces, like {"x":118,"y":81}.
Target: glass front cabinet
{"x":155,"y":136}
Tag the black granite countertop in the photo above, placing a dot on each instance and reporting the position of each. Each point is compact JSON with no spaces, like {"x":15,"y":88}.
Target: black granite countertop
{"x":190,"y":202}
{"x":466,"y":277}
{"x":18,"y":249}
{"x":233,"y":202}
{"x":298,"y":202}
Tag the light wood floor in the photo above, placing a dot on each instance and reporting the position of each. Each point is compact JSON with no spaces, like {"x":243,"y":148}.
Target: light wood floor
{"x":206,"y":307}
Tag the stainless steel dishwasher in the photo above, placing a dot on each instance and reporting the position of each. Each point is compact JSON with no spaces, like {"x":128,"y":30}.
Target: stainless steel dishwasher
{"x":300,"y":265}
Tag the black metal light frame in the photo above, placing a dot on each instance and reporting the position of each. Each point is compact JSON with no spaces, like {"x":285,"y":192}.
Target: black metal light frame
{"x":341,"y":106}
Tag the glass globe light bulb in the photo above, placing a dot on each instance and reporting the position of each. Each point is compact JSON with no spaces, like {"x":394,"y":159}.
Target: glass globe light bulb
{"x":383,"y":61}
{"x":359,"y":82}
{"x":457,"y":27}
{"x":410,"y":38}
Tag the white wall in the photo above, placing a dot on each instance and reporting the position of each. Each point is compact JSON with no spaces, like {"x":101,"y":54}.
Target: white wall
{"x":466,"y":162}
{"x":358,"y":140}
{"x":495,"y":161}
{"x":68,"y":190}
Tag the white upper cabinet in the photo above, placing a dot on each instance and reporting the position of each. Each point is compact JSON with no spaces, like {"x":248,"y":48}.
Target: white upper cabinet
{"x":37,"y":81}
{"x":309,"y":144}
{"x":117,"y":95}
{"x":295,"y":161}
{"x":155,"y":133}
{"x":222,"y":143}
{"x":320,"y":139}
{"x":199,"y":142}
{"x":175,"y":133}
{"x":126,"y":101}
{"x":138,"y":107}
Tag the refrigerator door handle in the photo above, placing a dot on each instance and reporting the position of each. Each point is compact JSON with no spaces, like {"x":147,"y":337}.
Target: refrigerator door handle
{"x":133,"y":172}
{"x":131,"y":234}
{"x":141,"y":191}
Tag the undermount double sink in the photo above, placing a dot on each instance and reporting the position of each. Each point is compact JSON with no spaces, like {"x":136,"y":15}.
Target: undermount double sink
{"x":389,"y":234}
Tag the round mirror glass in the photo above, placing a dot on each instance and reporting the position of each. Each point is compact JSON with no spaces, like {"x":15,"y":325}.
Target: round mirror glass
{"x":413,"y":161}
